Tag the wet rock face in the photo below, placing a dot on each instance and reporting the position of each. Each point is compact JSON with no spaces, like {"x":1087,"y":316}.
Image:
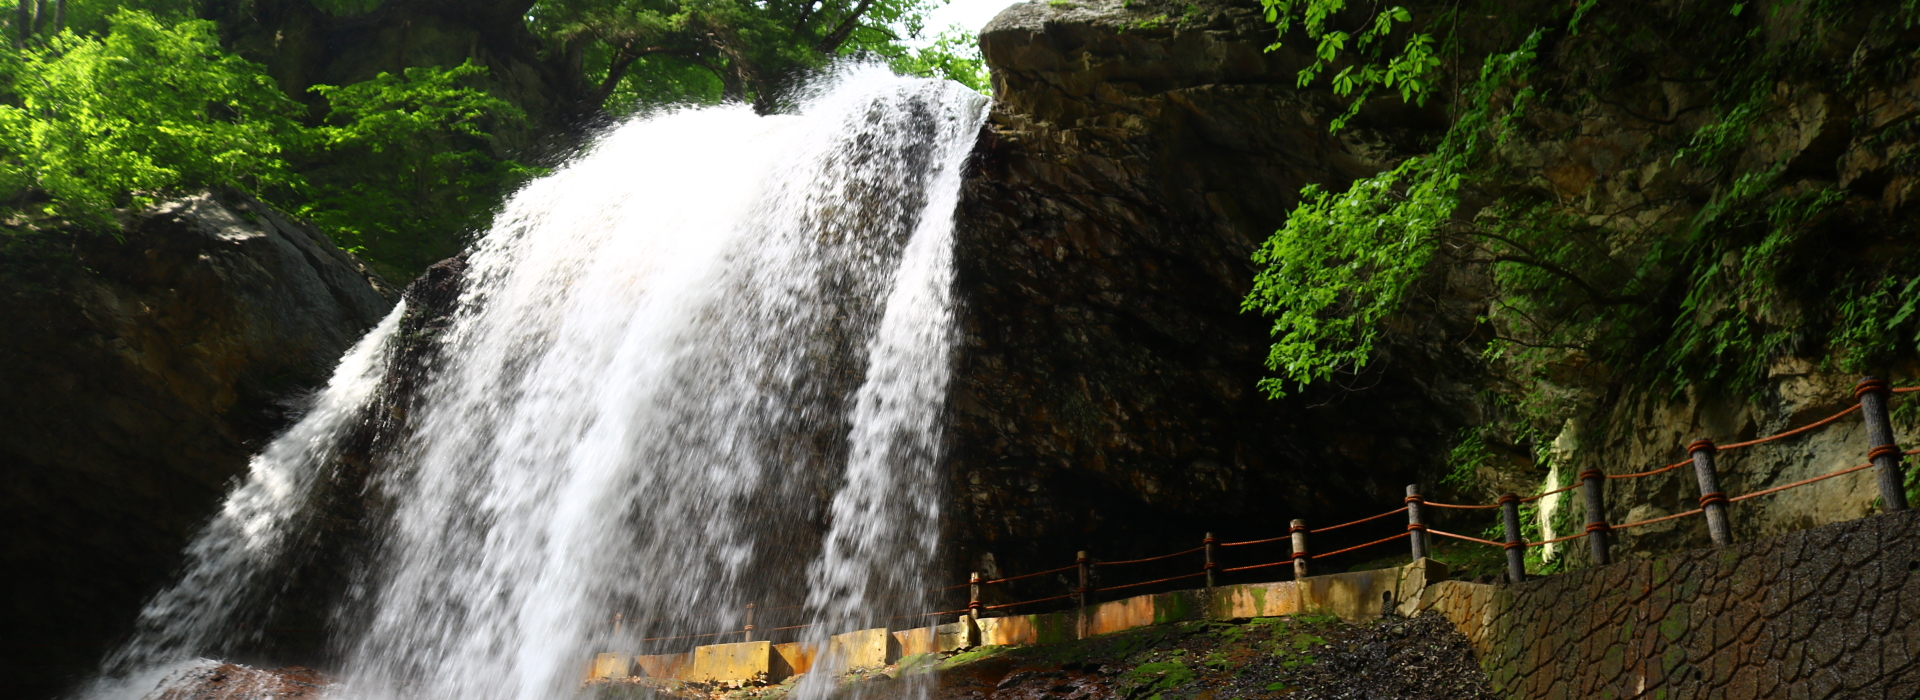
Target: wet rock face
{"x":136,"y":377}
{"x":235,"y":682}
{"x":1105,"y":399}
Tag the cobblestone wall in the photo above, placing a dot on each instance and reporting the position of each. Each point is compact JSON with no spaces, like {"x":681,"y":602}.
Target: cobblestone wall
{"x":1829,"y":612}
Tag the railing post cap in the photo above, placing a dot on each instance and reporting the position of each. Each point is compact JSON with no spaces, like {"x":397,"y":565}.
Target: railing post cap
{"x":1413,"y":489}
{"x":1506,"y":498}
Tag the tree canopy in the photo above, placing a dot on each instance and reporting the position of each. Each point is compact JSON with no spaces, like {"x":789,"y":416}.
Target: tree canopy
{"x":668,"y":50}
{"x":112,"y":104}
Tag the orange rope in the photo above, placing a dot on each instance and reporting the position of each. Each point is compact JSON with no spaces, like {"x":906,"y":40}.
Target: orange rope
{"x":1027,"y":602}
{"x":1163,"y":556}
{"x":1270,"y":539}
{"x":1259,"y":566}
{"x":1662,"y":470}
{"x":1450,"y":505}
{"x":690,"y":636}
{"x":1358,"y":546}
{"x":1695,"y":511}
{"x":1557,"y":539}
{"x":813,"y":624}
{"x":1148,"y":583}
{"x":903,"y":617}
{"x":1795,"y":431}
{"x":1464,"y":537}
{"x":1538,"y":496}
{"x":1802,"y":482}
{"x":1038,"y":573}
{"x":1906,"y":389}
{"x":1401,"y":509}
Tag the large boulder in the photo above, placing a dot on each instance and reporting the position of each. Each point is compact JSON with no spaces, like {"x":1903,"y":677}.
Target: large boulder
{"x":1136,"y":154}
{"x":139,"y":370}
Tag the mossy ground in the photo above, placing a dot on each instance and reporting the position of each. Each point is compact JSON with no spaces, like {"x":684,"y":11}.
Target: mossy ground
{"x":1291,"y":657}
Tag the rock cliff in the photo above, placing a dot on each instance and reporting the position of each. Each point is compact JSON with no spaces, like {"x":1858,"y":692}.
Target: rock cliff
{"x":1137,"y":152}
{"x":140,"y":370}
{"x":1106,"y":399}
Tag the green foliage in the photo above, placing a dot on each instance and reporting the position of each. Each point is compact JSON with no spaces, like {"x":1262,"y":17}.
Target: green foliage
{"x":104,"y":123}
{"x":1468,"y":455}
{"x":648,"y":52}
{"x":1372,"y":68}
{"x":402,"y":165}
{"x":398,"y":169}
{"x":1762,"y":270}
{"x":1344,"y":262}
{"x":953,"y":55}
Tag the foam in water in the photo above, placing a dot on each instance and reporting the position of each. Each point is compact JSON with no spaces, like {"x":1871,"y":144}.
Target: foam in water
{"x":701,"y":366}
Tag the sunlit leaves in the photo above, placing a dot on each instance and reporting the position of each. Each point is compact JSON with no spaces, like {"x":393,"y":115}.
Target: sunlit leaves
{"x":147,"y":108}
{"x":1408,"y":71}
{"x":1345,"y":262}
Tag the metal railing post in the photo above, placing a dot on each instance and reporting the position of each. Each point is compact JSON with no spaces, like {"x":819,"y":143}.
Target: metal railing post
{"x":1597,"y":527}
{"x":1882,"y":450}
{"x":1416,"y":528}
{"x":1516,"y":544}
{"x":1713,"y":503}
{"x":746,"y":632}
{"x":973,"y":610}
{"x":1300,"y":555}
{"x":1085,"y":564}
{"x":1208,"y":543}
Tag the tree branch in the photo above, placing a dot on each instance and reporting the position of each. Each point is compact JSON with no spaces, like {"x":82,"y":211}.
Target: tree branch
{"x":618,"y":69}
{"x":832,"y":41}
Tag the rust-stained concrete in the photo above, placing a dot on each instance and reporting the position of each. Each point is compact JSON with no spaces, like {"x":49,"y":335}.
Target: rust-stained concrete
{"x":731,"y":662}
{"x":861,"y":649}
{"x":1350,"y":596}
{"x":793,"y":658}
{"x":663,"y":665}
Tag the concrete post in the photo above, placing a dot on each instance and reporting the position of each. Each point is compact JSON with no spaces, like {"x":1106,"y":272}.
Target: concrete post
{"x":1416,"y":528}
{"x":746,"y":633}
{"x":1300,"y":555}
{"x":1882,"y":450}
{"x":1713,"y":503}
{"x":1516,"y":544}
{"x":1597,"y":528}
{"x":1208,"y":542}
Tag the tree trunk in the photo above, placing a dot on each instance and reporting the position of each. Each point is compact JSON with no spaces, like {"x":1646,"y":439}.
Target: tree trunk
{"x":23,"y":24}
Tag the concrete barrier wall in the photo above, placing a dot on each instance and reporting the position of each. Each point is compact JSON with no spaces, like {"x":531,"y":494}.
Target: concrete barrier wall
{"x":730,"y":662}
{"x":1828,"y":612}
{"x":1351,"y":595}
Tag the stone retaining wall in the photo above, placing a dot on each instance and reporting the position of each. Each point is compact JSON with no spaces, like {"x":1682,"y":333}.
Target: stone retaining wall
{"x":1829,"y":612}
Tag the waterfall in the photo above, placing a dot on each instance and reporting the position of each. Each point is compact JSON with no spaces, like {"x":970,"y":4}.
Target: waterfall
{"x":702,"y":365}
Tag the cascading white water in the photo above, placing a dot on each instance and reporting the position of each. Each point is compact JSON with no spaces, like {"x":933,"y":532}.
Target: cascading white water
{"x":701,"y":366}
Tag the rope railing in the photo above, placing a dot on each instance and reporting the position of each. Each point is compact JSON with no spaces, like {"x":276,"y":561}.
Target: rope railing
{"x":1872,"y":396}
